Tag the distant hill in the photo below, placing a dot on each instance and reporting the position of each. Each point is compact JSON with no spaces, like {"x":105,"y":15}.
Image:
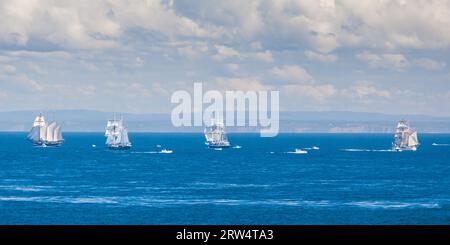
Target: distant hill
{"x":326,"y":122}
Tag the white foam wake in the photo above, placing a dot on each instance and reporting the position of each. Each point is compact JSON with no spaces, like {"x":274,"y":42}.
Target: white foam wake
{"x":436,"y":144}
{"x":368,"y":150}
{"x":312,"y":148}
{"x":392,"y":205}
{"x":163,"y":151}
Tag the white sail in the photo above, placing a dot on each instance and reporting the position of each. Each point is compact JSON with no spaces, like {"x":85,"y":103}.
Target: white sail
{"x":43,"y":132}
{"x":116,"y":134}
{"x":412,"y":139}
{"x":109,"y":140}
{"x":39,"y":121}
{"x":34,"y":134}
{"x":57,"y":134}
{"x":124,"y":137}
{"x":118,"y":137}
{"x":405,"y":138}
{"x":51,"y":132}
{"x":215,"y":135}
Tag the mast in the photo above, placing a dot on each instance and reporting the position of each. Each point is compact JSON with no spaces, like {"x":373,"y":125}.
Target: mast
{"x":116,"y":134}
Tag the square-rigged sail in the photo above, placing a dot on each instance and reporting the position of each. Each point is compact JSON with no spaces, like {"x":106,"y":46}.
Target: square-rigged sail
{"x":405,"y":138}
{"x":116,"y":135}
{"x":215,"y":136}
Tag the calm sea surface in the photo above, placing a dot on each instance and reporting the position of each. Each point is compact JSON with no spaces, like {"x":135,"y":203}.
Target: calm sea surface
{"x":351,"y":179}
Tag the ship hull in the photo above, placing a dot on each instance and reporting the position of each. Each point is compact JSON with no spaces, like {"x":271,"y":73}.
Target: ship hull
{"x":215,"y":146}
{"x":400,"y":149}
{"x":119,"y":147}
{"x":47,"y":144}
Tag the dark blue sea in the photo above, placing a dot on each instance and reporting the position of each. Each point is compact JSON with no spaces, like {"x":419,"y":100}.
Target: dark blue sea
{"x":351,"y":179}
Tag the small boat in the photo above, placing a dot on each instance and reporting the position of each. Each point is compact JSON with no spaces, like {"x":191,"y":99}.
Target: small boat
{"x":405,"y":139}
{"x":166,"y":151}
{"x":44,"y":134}
{"x":300,"y":151}
{"x":117,"y":135}
{"x":297,"y":151}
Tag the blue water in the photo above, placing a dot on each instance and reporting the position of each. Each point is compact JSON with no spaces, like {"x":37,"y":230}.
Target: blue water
{"x":352,"y":179}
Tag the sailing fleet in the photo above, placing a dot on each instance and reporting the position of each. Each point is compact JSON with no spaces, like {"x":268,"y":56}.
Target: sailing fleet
{"x":44,"y":134}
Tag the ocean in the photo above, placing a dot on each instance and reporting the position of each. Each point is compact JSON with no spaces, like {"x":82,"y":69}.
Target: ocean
{"x":350,"y":179}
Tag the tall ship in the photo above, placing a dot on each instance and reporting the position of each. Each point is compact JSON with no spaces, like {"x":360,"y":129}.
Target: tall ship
{"x":45,"y":134}
{"x":216,"y":136}
{"x":405,"y":138}
{"x":117,"y":135}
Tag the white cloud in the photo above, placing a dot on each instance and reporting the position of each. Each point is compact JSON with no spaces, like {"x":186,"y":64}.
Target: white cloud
{"x":193,"y":51}
{"x":38,"y":54}
{"x":24,"y":83}
{"x":244,"y":84}
{"x":89,"y":25}
{"x":327,"y":25}
{"x":3,"y":95}
{"x":317,"y":92}
{"x":388,"y":61}
{"x":128,"y":89}
{"x":7,"y":69}
{"x":224,"y":52}
{"x":292,"y":72}
{"x":321,"y":25}
{"x":430,"y":64}
{"x":311,"y":55}
{"x":233,"y":67}
{"x":139,"y":61}
{"x":136,"y":62}
{"x":364,"y":89}
{"x":256,"y":45}
{"x":258,"y":40}
{"x":89,"y":66}
{"x":4,"y":58}
{"x":265,"y":56}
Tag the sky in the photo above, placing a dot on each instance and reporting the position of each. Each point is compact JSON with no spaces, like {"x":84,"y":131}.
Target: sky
{"x":130,"y":56}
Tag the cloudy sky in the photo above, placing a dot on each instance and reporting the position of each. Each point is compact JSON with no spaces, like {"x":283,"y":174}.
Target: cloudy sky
{"x":113,"y":55}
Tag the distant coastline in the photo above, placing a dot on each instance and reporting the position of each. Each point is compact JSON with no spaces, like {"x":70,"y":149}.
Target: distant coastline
{"x":335,"y":122}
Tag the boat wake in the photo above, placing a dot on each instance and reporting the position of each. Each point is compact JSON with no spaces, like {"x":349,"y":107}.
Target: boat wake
{"x":368,"y":150}
{"x":237,"y":147}
{"x":392,"y":205}
{"x":163,"y":151}
{"x":312,"y":148}
{"x":436,"y":144}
